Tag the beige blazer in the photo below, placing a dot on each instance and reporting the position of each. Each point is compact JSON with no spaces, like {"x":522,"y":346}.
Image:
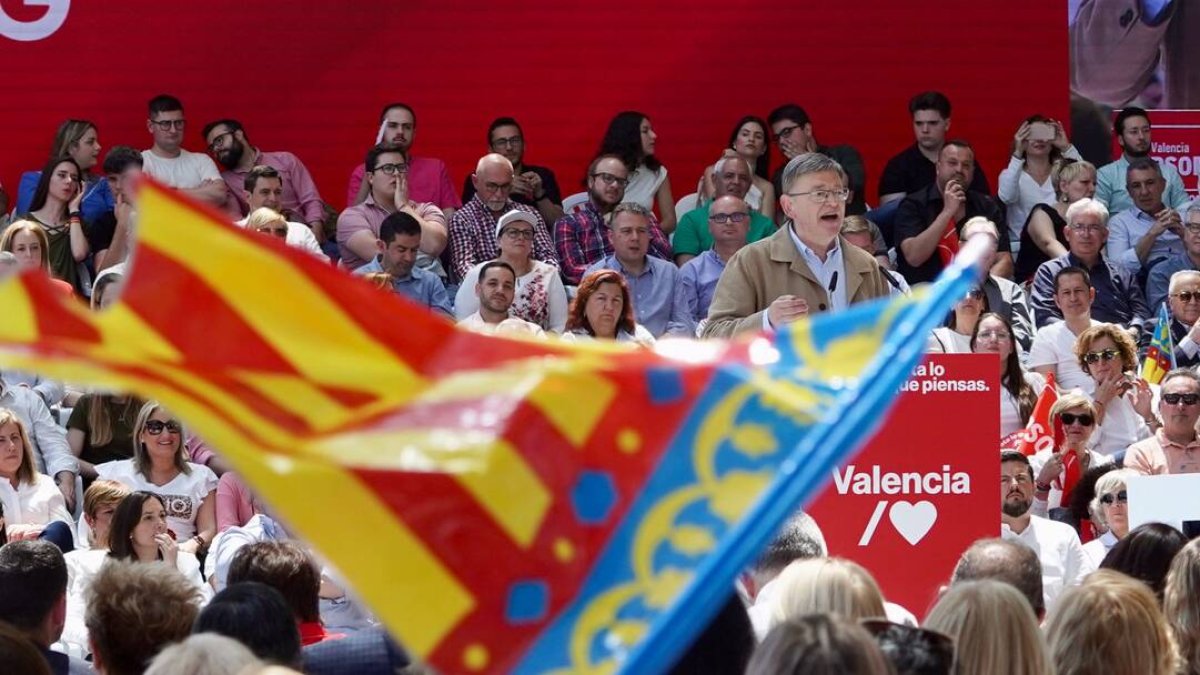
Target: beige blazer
{"x":761,"y":272}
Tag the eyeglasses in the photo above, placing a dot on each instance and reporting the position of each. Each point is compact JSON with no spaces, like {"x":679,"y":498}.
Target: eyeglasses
{"x":1121,"y":497}
{"x":218,"y":140}
{"x":1106,"y":355}
{"x":722,"y":218}
{"x":1019,"y":478}
{"x":166,"y":125}
{"x":1176,"y":399}
{"x":491,"y":187}
{"x":974,"y":294}
{"x":392,"y":169}
{"x":517,"y":234}
{"x":156,"y":427}
{"x":821,"y":196}
{"x":510,"y":142}
{"x":1186,"y":296}
{"x":611,"y":179}
{"x":1088,"y":227}
{"x":785,"y":132}
{"x":1084,"y":419}
{"x":993,"y":335}
{"x":1194,"y":228}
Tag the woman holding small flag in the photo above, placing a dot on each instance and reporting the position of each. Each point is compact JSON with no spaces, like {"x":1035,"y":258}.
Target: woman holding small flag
{"x":1058,"y":470}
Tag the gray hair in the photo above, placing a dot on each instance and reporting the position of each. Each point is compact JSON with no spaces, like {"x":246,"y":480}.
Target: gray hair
{"x":1193,"y":207}
{"x":493,"y":158}
{"x":1087,"y":206}
{"x":980,"y":223}
{"x":203,"y":654}
{"x":1181,"y":276}
{"x":1113,"y":481}
{"x":1143,"y":164}
{"x":720,"y":163}
{"x":811,"y":162}
{"x":629,"y":207}
{"x":1177,"y":373}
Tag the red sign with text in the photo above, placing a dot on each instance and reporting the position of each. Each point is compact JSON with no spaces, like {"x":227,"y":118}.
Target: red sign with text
{"x":1176,"y":141}
{"x":925,"y":487}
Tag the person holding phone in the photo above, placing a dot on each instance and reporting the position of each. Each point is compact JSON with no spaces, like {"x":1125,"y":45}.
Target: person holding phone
{"x":1026,"y":181}
{"x":55,"y":206}
{"x":1124,"y":409}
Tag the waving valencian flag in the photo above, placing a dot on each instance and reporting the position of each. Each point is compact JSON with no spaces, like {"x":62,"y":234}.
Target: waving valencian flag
{"x":502,"y":505}
{"x":1160,"y":357}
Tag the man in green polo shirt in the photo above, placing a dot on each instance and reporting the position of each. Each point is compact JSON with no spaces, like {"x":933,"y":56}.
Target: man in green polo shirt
{"x":731,"y":176}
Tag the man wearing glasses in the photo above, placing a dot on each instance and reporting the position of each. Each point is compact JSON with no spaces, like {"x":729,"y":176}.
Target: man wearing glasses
{"x":581,"y":238}
{"x":731,"y":178}
{"x":928,"y":221}
{"x":358,"y":226}
{"x":226,"y":140}
{"x":1183,"y":299}
{"x":1174,"y":448}
{"x":1056,"y":544}
{"x":729,"y":219}
{"x":792,"y":131}
{"x":805,"y":267}
{"x":532,"y":185}
{"x":1162,"y":273}
{"x":167,"y":162}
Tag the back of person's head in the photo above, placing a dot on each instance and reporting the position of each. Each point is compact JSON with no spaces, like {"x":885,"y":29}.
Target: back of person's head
{"x":1146,"y":554}
{"x":993,"y":628}
{"x":1110,"y":624}
{"x":205,"y":654}
{"x":827,"y":585}
{"x":912,"y":650}
{"x":286,"y":567}
{"x":800,"y":538}
{"x":724,"y":646}
{"x":1181,"y":603}
{"x":257,"y":616}
{"x":19,"y":655}
{"x":33,"y":580}
{"x":1006,"y":561}
{"x":819,"y":644}
{"x":133,"y":611}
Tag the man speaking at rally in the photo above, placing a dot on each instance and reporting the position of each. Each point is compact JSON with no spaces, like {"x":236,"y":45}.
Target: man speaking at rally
{"x":802,"y":269}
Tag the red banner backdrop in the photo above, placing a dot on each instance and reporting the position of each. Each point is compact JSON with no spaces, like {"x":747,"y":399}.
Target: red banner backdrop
{"x":310,"y":76}
{"x":926,"y":486}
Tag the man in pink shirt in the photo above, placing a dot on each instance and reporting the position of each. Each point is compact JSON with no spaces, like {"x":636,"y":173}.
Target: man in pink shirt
{"x":1174,"y":448}
{"x":226,"y":140}
{"x":387,"y":183}
{"x":428,"y":180}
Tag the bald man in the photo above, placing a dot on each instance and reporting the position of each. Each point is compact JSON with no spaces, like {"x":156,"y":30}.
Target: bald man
{"x":473,"y":227}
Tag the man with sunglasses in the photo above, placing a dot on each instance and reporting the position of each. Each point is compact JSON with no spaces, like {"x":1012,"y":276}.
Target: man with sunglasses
{"x":167,"y":162}
{"x":1061,"y":555}
{"x":581,"y":238}
{"x":1174,"y":448}
{"x":732,"y":177}
{"x":358,"y":227}
{"x":792,"y":131}
{"x":1183,"y":299}
{"x":533,"y":185}
{"x":1161,"y":274}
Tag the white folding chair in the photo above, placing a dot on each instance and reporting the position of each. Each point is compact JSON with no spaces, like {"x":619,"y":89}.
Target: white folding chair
{"x":571,"y":203}
{"x":685,"y":204}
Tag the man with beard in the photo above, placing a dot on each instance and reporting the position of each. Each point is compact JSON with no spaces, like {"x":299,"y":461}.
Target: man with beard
{"x":533,"y":185}
{"x":1057,"y":545}
{"x":581,"y":238}
{"x":1172,"y":449}
{"x":928,"y":221}
{"x":496,"y":289}
{"x":1141,"y":237}
{"x":473,"y":227}
{"x":913,"y":169}
{"x":1132,"y":128}
{"x":398,"y":244}
{"x":226,"y":140}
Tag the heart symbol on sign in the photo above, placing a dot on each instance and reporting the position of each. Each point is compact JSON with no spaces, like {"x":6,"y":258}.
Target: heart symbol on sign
{"x":913,"y":521}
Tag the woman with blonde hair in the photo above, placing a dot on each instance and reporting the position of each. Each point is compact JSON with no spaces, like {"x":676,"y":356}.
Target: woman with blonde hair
{"x":33,"y":506}
{"x":79,"y":140}
{"x":1057,"y":470}
{"x":267,"y":221}
{"x":100,"y":501}
{"x":994,"y":629}
{"x":826,"y":585}
{"x":1181,"y":604}
{"x":1043,"y":237}
{"x":1110,"y":624}
{"x":28,"y":242}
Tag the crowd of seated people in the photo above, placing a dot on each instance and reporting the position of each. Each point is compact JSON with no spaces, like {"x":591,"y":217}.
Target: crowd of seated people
{"x":98,"y":486}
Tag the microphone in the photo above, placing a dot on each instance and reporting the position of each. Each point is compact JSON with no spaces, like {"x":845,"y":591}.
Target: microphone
{"x":832,"y":285}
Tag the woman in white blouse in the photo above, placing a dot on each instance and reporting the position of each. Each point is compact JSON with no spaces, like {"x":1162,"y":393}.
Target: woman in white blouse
{"x":159,"y":465}
{"x":1019,"y":389}
{"x":1057,"y":470}
{"x":1110,"y":507}
{"x":34,"y":508}
{"x":1026,"y":182}
{"x":631,"y":137}
{"x":1124,"y":409}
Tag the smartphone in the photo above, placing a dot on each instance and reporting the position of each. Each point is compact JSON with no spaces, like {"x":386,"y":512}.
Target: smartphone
{"x":1040,"y":131}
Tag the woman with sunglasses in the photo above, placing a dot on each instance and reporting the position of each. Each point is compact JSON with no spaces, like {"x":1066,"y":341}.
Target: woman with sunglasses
{"x":1018,"y":389}
{"x":1110,"y":509}
{"x":1058,"y":470}
{"x":1124,"y":412}
{"x":159,"y":465}
{"x":955,"y":336}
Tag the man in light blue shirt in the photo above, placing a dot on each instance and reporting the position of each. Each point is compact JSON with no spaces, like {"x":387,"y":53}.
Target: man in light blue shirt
{"x":1159,"y":281}
{"x":729,"y":220}
{"x":399,"y":242}
{"x":1132,"y":128}
{"x":1141,"y":237}
{"x":654,"y":287}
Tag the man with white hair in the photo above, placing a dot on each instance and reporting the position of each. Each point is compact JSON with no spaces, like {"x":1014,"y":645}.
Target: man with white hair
{"x":1119,"y":297}
{"x":1183,"y":300}
{"x":731,"y":176}
{"x":473,"y":227}
{"x":1003,"y":296}
{"x":1162,"y":273}
{"x":805,"y":267}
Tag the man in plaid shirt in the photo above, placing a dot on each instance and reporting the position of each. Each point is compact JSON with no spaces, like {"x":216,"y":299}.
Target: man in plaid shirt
{"x":473,"y":227}
{"x":582,"y":237}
